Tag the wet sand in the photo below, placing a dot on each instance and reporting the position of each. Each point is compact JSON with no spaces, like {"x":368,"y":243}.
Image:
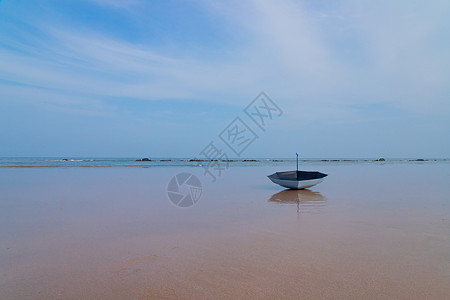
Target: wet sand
{"x":367,"y":231}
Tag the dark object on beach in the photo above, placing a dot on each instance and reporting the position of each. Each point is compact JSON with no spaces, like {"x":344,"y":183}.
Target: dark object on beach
{"x":65,"y":159}
{"x":144,"y":159}
{"x":249,"y":160}
{"x":297,"y":179}
{"x":381,"y":159}
{"x":420,"y":159}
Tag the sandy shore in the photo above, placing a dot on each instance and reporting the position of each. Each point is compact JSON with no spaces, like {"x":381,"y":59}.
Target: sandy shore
{"x":366,"y":232}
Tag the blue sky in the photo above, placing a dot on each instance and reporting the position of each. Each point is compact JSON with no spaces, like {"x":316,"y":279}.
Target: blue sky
{"x":163,"y":78}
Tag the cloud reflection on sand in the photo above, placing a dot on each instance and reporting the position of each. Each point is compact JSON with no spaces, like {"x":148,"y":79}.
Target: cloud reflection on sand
{"x":307,"y":201}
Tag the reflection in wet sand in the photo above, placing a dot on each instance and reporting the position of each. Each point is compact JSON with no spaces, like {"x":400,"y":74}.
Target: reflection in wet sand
{"x":307,"y":201}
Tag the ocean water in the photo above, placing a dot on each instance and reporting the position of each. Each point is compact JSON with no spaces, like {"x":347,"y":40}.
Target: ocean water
{"x":172,"y":161}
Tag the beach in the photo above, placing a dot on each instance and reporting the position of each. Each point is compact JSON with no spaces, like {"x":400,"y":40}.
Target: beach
{"x":147,"y":147}
{"x":369,"y":231}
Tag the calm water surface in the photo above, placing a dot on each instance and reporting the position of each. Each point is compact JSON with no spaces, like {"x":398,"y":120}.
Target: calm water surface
{"x":369,"y":230}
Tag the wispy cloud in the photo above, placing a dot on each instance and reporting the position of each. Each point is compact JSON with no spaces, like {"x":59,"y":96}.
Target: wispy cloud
{"x":380,"y":51}
{"x":308,"y":56}
{"x":118,"y":3}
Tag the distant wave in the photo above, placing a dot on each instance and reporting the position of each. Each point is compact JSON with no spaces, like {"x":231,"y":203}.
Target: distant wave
{"x":70,"y":160}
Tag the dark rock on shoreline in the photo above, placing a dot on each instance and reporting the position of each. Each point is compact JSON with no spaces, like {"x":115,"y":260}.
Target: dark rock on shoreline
{"x":381,"y":159}
{"x":144,"y":159}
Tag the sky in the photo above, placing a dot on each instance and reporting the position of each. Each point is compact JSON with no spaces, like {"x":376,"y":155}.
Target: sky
{"x":135,"y":78}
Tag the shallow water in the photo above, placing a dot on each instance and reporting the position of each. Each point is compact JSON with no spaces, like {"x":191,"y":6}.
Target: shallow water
{"x":369,"y":230}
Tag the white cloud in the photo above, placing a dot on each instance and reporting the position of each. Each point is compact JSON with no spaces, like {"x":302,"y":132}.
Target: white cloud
{"x":121,"y":4}
{"x":307,"y":57}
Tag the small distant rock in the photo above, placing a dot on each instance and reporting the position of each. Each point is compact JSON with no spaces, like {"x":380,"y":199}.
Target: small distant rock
{"x":381,"y":159}
{"x":420,"y":159}
{"x":65,"y":159}
{"x":144,"y":159}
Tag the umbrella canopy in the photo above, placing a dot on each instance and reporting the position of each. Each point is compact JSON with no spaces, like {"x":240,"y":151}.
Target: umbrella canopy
{"x":297,"y":179}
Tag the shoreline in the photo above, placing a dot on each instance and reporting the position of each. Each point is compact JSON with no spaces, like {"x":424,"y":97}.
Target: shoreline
{"x":284,"y":163}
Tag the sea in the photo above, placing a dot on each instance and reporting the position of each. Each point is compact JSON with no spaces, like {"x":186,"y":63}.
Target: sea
{"x":68,"y":162}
